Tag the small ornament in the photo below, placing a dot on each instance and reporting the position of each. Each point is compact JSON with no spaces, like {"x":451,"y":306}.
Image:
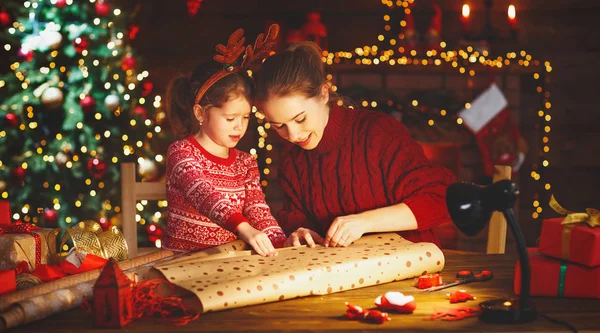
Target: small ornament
{"x":113,"y":302}
{"x":81,"y":44}
{"x":97,"y":168}
{"x":88,"y":103}
{"x":11,"y":120}
{"x":25,"y":54}
{"x":104,"y":223}
{"x":155,"y":232}
{"x":147,"y":88}
{"x":112,"y":102}
{"x":193,"y":7}
{"x":102,"y":9}
{"x":50,"y":217}
{"x":396,"y":301}
{"x":61,"y":159}
{"x":52,"y":98}
{"x":61,"y":3}
{"x":133,"y":31}
{"x":147,"y":169}
{"x":20,"y":173}
{"x":140,"y":112}
{"x":127,"y":63}
{"x":5,"y":18}
{"x":2,"y":186}
{"x":460,"y":296}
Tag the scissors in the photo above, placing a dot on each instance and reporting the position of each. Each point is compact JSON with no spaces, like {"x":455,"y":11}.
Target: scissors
{"x":463,"y":277}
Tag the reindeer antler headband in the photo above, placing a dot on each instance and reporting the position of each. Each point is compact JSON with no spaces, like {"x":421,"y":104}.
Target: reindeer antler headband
{"x":230,"y":55}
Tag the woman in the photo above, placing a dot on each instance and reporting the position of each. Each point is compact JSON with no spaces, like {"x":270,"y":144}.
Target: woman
{"x":350,"y":172}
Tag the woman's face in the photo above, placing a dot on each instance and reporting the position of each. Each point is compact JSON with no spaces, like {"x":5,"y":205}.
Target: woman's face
{"x":298,"y":119}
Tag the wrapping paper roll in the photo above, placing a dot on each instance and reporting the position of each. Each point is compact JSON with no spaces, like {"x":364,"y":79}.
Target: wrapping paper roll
{"x":246,"y":279}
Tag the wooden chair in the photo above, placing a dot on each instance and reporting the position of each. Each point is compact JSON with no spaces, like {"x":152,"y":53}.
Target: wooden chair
{"x":496,"y":242}
{"x":131,"y":192}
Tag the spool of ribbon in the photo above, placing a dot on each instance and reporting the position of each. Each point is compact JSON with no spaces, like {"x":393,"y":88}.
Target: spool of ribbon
{"x":591,"y":217}
{"x":26,"y":228}
{"x":87,"y":236}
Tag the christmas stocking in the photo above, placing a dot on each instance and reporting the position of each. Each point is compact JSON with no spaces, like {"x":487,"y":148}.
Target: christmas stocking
{"x":496,"y":134}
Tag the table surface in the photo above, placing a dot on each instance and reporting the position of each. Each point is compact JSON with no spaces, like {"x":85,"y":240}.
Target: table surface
{"x":326,"y":313}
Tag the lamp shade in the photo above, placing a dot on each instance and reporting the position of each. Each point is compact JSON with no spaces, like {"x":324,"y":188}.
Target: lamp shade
{"x":471,"y":206}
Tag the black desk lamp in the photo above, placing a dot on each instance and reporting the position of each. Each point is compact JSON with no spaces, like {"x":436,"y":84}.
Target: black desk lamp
{"x":471,"y":207}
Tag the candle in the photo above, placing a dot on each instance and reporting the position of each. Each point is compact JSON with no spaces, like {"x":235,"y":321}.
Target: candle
{"x":512,"y":20}
{"x":465,"y":19}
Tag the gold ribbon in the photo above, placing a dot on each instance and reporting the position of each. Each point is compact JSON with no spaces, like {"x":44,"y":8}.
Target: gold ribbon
{"x":89,"y":237}
{"x":591,"y":217}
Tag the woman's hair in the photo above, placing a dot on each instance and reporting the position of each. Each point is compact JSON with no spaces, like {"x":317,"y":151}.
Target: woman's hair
{"x":182,"y":92}
{"x":298,"y":69}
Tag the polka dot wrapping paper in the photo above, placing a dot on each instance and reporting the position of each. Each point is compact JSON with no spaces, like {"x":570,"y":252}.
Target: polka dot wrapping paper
{"x":239,"y":278}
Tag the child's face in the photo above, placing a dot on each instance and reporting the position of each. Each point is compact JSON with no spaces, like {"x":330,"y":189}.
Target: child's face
{"x":298,"y":119}
{"x":226,"y":125}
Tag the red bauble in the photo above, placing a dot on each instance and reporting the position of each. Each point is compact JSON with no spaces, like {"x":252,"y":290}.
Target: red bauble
{"x":193,"y":7}
{"x":102,"y":9}
{"x":155,"y":232}
{"x":104,"y":223}
{"x":141,"y":112}
{"x":97,"y":168}
{"x":5,"y":18}
{"x":11,"y":120}
{"x":133,"y":31}
{"x":147,"y":88}
{"x":88,"y":103}
{"x":20,"y":173}
{"x":127,"y":63}
{"x":61,"y":3}
{"x":81,"y":44}
{"x":26,"y":55}
{"x":50,"y":217}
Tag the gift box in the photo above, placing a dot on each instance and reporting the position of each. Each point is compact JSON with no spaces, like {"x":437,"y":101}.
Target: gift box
{"x":4,"y":212}
{"x":16,"y":247}
{"x":553,"y":277}
{"x":578,"y":243}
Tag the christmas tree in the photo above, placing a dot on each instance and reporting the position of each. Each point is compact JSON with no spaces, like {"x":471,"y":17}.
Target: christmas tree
{"x":73,"y":107}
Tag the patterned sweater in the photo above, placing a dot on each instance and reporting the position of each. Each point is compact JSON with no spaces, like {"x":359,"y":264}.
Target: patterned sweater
{"x":365,"y":160}
{"x":210,"y":196}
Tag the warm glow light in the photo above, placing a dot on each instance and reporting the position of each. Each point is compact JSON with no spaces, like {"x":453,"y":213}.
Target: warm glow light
{"x":466,"y":11}
{"x":512,"y":12}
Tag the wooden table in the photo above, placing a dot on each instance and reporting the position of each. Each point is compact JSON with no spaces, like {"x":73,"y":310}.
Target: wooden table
{"x":325,"y":313}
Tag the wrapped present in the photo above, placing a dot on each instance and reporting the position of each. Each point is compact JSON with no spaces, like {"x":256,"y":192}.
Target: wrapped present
{"x":22,"y":241}
{"x":575,"y":237}
{"x":554,"y":277}
{"x":4,"y":213}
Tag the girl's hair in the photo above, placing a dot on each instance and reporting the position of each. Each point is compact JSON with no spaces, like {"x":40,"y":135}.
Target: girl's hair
{"x":182,"y":91}
{"x":298,"y":69}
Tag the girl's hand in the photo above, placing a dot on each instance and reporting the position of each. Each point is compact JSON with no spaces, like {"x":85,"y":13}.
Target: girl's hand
{"x":303,"y":234}
{"x":344,"y":230}
{"x":259,"y":241}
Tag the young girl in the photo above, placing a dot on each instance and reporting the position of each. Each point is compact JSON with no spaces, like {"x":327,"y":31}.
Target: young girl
{"x":213,"y":189}
{"x":350,"y":172}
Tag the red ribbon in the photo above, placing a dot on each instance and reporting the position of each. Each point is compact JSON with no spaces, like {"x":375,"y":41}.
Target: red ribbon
{"x":26,"y":228}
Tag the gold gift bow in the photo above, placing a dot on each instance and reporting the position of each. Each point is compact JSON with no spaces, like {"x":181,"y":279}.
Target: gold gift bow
{"x":89,"y":237}
{"x":591,"y":217}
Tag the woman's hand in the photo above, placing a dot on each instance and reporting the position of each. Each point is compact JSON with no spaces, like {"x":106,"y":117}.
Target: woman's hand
{"x":303,"y":234}
{"x":259,"y":241}
{"x":344,"y":230}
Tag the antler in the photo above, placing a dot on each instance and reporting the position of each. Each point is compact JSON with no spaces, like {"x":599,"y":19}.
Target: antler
{"x":235,"y":47}
{"x":262,"y":47}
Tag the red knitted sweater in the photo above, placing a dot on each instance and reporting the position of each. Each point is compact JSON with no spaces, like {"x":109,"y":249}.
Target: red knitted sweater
{"x":210,"y":196}
{"x":365,"y":160}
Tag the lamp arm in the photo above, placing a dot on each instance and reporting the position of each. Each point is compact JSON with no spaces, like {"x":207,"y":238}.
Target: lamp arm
{"x":509,"y":214}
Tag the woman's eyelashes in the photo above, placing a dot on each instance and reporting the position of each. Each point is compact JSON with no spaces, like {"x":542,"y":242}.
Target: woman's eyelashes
{"x":300,"y":121}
